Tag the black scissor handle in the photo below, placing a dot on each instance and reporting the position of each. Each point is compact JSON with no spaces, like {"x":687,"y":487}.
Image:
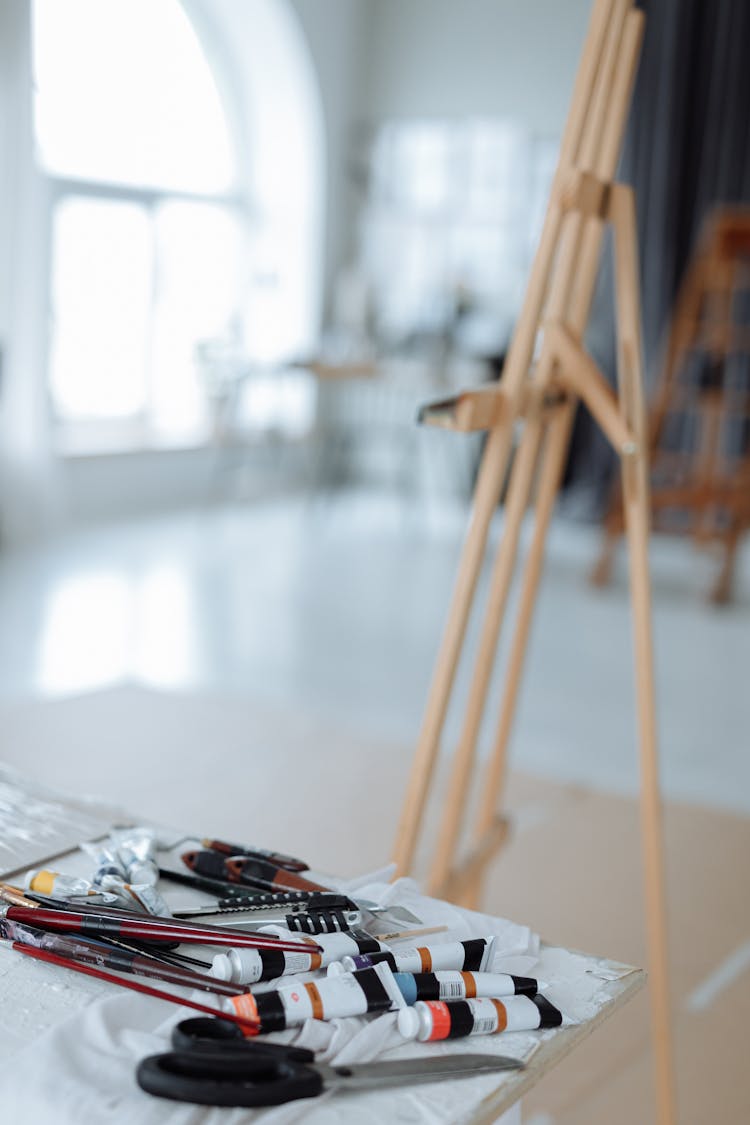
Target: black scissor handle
{"x":206,"y":1029}
{"x":206,"y":1034}
{"x":250,"y":1078}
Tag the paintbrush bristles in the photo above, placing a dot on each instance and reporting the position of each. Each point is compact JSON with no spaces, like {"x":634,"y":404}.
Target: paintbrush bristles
{"x":15,"y":896}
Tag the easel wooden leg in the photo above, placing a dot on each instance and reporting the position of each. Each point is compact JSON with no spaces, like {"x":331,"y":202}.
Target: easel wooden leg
{"x":601,"y":574}
{"x":636,"y":515}
{"x":722,"y":591}
{"x":637,"y":507}
{"x":521,"y":479}
{"x":553,"y":462}
{"x":489,"y":487}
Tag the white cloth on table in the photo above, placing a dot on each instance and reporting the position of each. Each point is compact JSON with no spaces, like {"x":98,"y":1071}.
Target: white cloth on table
{"x":82,"y":1071}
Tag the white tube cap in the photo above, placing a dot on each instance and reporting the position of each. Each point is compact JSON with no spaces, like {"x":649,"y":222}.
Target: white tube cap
{"x":221,"y":967}
{"x":408,"y":1023}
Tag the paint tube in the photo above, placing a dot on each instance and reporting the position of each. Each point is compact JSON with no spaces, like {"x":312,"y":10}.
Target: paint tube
{"x":136,"y":852}
{"x":475,"y":955}
{"x":126,"y":867}
{"x":246,"y":966}
{"x":46,"y":882}
{"x":447,"y":985}
{"x":353,"y":994}
{"x":431,"y":1020}
{"x":147,"y":897}
{"x":107,"y":863}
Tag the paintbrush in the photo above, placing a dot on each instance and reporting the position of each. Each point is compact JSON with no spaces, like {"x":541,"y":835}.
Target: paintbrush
{"x":14,"y":896}
{"x":120,"y":959}
{"x":249,"y":1027}
{"x":218,"y":887}
{"x":113,"y":912}
{"x":146,"y":928}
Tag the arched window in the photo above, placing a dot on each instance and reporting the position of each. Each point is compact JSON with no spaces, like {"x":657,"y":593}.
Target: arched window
{"x":155,"y":219}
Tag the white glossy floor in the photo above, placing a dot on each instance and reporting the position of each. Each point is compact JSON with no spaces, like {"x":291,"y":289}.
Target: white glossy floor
{"x":334,"y":609}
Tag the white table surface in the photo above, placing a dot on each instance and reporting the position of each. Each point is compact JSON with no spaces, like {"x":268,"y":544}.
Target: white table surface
{"x":586,"y":988}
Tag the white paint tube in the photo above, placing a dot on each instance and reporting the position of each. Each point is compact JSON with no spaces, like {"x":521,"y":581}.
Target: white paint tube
{"x":352,"y":994}
{"x":106,"y":863}
{"x":136,"y":852}
{"x":246,"y":966}
{"x":432,"y":1020}
{"x":450,"y":985}
{"x":474,"y":955}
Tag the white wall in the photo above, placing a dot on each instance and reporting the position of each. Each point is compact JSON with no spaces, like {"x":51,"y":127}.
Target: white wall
{"x":337,"y":35}
{"x":453,"y":58}
{"x":29,"y":497}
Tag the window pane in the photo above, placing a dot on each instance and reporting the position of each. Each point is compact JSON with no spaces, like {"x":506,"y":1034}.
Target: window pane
{"x":200,"y":255}
{"x":101,"y":288}
{"x":124,"y":94}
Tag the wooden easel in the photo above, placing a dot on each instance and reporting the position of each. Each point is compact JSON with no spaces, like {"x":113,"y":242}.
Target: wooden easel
{"x":545,"y":375}
{"x":707,"y":480}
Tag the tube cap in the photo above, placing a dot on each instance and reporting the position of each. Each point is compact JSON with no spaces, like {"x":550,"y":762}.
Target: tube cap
{"x":408,"y":1023}
{"x":407,"y":986}
{"x":221,"y":967}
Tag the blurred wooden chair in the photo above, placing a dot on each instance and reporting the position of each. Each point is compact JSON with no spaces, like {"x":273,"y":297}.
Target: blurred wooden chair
{"x":699,"y":428}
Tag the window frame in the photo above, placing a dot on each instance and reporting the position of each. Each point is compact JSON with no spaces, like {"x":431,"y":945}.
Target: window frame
{"x":134,"y":432}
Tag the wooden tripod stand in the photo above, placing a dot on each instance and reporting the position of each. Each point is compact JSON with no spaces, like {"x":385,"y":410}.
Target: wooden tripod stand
{"x":546,"y":373}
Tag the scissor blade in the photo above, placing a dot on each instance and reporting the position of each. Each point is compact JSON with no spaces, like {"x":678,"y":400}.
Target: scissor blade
{"x":397,"y":1072}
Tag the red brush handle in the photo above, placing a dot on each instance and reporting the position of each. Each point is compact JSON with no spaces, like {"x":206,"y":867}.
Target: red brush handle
{"x":149,"y":929}
{"x":250,"y":1027}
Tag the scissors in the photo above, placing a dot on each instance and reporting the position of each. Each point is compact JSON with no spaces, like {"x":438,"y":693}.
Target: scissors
{"x":212,"y":1063}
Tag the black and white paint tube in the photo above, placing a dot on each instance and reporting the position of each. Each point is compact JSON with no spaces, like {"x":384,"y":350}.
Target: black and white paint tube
{"x":351,"y":994}
{"x":475,"y":955}
{"x":431,"y":1020}
{"x":448,"y":985}
{"x":246,"y":966}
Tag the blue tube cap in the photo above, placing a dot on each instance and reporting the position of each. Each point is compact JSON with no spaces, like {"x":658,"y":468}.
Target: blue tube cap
{"x":407,"y":986}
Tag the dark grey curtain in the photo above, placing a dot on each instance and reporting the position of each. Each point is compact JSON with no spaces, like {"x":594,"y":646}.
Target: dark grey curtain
{"x":687,"y":150}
